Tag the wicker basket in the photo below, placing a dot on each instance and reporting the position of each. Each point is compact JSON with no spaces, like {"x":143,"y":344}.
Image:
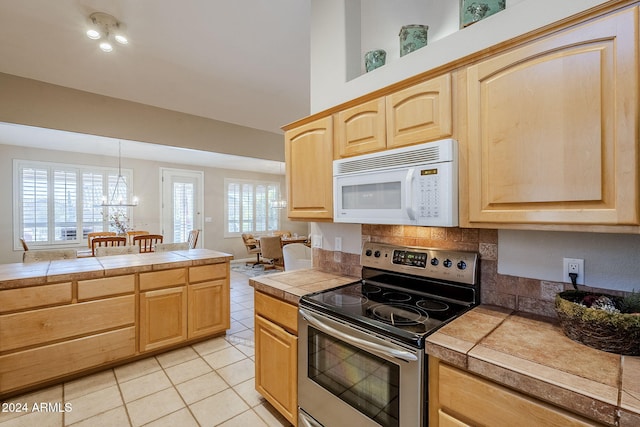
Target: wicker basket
{"x":612,"y":332}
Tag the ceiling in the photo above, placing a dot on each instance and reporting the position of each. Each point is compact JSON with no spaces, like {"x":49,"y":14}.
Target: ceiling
{"x":243,"y":61}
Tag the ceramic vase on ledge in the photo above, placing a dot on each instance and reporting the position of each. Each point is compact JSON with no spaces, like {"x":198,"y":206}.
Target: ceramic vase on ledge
{"x":412,"y":37}
{"x":472,"y":11}
{"x":374,"y":59}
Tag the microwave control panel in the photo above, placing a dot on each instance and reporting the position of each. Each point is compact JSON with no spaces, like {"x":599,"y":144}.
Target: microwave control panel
{"x":436,"y":195}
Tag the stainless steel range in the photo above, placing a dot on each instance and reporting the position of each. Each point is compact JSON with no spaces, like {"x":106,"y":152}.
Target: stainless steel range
{"x":361,"y":359}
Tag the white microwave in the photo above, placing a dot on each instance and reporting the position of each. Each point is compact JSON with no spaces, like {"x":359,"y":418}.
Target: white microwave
{"x":415,"y":185}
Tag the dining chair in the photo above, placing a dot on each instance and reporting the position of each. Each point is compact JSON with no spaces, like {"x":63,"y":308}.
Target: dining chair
{"x":108,"y":241}
{"x":167,"y":247}
{"x":193,"y":238}
{"x":49,"y":255}
{"x":94,"y":234}
{"x":252,"y":246}
{"x":116,"y":250}
{"x":133,"y":233}
{"x":147,"y":242}
{"x":24,"y":244}
{"x":296,"y":256}
{"x":271,"y":247}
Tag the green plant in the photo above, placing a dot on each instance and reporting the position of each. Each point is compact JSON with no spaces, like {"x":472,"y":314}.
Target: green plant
{"x":631,"y":303}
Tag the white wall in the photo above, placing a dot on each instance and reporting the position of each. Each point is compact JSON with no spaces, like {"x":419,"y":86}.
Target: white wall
{"x":146,"y":184}
{"x":380,"y":23}
{"x":611,"y":261}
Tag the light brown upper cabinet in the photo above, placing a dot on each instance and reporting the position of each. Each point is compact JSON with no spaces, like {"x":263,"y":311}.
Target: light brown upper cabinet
{"x":309,"y":163}
{"x":552,"y":134}
{"x":361,"y":129}
{"x":419,"y":113}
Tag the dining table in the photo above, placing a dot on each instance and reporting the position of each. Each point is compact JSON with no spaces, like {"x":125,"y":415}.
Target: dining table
{"x":285,"y":240}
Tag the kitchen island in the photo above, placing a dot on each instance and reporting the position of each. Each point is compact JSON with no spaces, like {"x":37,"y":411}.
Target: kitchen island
{"x":66,"y":318}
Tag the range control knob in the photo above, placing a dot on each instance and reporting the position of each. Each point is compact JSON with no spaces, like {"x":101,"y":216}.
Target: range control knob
{"x":434,"y":261}
{"x":368,"y":252}
{"x":447,"y":263}
{"x":376,"y":254}
{"x":462,"y":265}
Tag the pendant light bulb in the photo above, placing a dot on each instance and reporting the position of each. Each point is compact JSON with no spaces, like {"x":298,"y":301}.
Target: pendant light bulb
{"x":105,"y":46}
{"x":93,"y":34}
{"x":121,"y":39}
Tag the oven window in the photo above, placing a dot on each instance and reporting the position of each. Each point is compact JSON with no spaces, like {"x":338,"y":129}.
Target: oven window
{"x":385,"y":195}
{"x":363,"y":380}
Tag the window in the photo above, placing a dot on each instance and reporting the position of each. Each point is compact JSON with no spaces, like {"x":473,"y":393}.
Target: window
{"x":58,"y":204}
{"x":248,"y":207}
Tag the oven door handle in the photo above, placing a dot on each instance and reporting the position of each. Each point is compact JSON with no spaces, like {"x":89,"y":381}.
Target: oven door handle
{"x":359,"y":342}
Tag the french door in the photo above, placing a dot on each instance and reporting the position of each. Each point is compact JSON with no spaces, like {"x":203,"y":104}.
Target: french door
{"x":182,"y":201}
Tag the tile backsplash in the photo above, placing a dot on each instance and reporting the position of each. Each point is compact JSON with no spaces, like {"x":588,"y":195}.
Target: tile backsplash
{"x":517,"y":293}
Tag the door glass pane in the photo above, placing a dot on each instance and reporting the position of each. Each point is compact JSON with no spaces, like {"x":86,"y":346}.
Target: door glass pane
{"x":384,"y":195}
{"x":365,"y":381}
{"x":183,"y":210}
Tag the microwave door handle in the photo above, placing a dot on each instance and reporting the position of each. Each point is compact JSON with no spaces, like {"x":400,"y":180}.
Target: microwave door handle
{"x":383,"y":349}
{"x":408,"y":182}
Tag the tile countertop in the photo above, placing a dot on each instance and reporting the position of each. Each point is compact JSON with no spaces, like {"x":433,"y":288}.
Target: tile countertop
{"x":291,"y":285}
{"x":531,"y":354}
{"x":18,"y":275}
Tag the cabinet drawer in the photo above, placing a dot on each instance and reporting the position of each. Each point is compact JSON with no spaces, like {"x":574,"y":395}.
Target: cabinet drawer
{"x":279,"y":312}
{"x":162,"y":279}
{"x":208,"y":272}
{"x":36,"y":296}
{"x":56,"y":323}
{"x":96,"y":288}
{"x":44,"y":363}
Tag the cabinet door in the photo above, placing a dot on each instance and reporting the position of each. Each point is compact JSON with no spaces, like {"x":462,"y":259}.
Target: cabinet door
{"x":208,"y":308}
{"x":309,"y":161}
{"x":552,"y":129}
{"x":361,"y":129}
{"x":163,"y":317}
{"x":420,"y":113}
{"x":276,"y":367}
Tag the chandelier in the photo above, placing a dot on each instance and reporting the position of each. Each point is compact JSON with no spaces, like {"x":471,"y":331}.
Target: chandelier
{"x":107,"y":30}
{"x":281,"y":203}
{"x":117,"y":199}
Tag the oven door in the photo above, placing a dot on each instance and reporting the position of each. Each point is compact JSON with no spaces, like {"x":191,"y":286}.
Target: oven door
{"x":349,"y":377}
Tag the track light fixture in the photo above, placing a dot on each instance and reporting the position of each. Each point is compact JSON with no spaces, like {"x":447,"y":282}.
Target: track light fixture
{"x":107,"y":30}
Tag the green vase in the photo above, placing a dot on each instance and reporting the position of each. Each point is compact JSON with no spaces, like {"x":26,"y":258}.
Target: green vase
{"x":472,"y":11}
{"x":412,"y":37}
{"x":374,"y":59}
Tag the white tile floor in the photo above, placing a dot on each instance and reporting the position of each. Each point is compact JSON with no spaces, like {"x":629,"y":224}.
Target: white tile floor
{"x":207,"y":384}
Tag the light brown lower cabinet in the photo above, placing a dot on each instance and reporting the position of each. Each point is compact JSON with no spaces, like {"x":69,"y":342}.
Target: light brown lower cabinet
{"x":163,"y":317}
{"x":57,"y":331}
{"x":45,"y":335}
{"x":459,"y":398}
{"x":277,"y":354}
{"x":208,"y":308}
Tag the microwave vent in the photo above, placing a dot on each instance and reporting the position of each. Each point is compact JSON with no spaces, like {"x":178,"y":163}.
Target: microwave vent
{"x":427,"y":153}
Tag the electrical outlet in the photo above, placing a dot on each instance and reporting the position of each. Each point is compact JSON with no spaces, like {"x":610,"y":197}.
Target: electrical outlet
{"x":338,"y":244}
{"x":573,"y":265}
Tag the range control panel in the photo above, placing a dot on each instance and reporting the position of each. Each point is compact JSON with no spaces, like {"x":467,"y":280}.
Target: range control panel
{"x":444,"y":264}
